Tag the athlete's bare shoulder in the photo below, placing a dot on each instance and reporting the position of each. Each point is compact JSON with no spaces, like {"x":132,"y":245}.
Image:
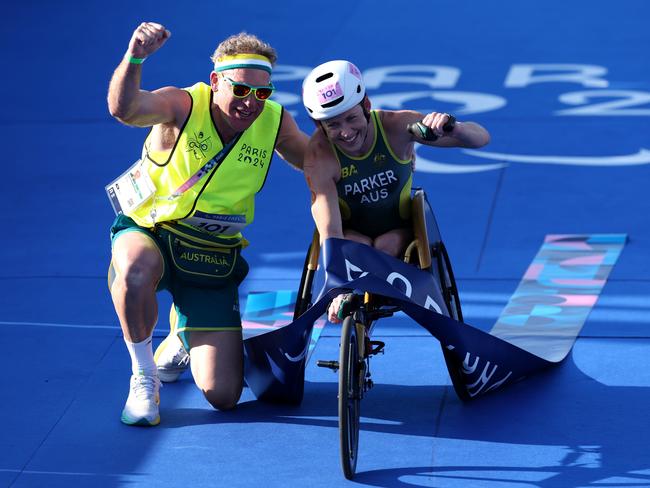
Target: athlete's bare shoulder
{"x":397,"y":120}
{"x":320,"y":160}
{"x":395,"y":124}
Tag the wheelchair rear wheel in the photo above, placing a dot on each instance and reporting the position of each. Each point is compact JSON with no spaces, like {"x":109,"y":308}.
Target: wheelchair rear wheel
{"x":351,"y":378}
{"x":447,"y":281}
{"x":303,"y":300}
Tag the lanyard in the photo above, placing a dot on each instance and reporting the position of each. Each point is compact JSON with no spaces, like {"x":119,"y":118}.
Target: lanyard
{"x":205,"y":169}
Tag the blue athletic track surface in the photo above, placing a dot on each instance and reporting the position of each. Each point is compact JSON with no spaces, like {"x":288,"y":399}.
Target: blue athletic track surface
{"x":564,"y":89}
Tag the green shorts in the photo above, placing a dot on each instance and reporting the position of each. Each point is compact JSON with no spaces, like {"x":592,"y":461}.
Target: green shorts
{"x":203,"y":280}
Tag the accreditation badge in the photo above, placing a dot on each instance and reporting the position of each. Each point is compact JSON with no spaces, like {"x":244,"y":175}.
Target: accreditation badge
{"x":130,"y":190}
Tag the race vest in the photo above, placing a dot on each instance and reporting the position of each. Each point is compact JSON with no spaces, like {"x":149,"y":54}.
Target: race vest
{"x":222,"y":202}
{"x":374,"y":189}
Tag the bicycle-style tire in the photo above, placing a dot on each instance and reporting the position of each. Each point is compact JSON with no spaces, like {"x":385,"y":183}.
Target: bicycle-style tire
{"x":303,"y":300}
{"x":452,"y":301}
{"x":350,"y":388}
{"x":447,"y":281}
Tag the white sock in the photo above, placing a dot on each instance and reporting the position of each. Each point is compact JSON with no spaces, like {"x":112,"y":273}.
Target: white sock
{"x":142,"y":357}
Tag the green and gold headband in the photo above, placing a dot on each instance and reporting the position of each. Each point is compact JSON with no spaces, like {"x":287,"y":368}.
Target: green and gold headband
{"x":246,"y":61}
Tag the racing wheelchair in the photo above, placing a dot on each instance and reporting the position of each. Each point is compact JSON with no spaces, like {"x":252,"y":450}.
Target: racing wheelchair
{"x":427,"y":252}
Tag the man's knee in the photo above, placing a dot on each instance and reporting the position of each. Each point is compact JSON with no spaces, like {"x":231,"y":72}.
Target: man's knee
{"x":134,"y":279}
{"x":217,"y":366}
{"x":223,"y":396}
{"x":137,"y":261}
{"x":136,"y":270}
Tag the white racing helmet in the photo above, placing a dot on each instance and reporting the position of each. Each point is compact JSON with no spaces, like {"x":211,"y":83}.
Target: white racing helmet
{"x":331,"y":89}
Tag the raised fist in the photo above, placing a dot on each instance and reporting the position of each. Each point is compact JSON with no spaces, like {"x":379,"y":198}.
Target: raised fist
{"x":147,"y":39}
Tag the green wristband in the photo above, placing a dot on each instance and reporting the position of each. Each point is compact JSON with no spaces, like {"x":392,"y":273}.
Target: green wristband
{"x":134,"y":60}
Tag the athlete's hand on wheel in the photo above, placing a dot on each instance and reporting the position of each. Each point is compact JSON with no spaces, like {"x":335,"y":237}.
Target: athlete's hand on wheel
{"x":147,"y":39}
{"x":335,"y":307}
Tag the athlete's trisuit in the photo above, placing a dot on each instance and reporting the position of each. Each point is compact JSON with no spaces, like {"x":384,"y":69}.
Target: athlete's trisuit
{"x":374,"y":189}
{"x":198,"y":231}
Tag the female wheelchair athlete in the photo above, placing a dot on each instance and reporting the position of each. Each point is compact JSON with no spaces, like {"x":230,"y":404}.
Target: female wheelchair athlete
{"x":360,"y":314}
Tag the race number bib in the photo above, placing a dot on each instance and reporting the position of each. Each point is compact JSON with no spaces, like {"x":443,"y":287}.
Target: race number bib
{"x":223,"y":225}
{"x":131,"y":189}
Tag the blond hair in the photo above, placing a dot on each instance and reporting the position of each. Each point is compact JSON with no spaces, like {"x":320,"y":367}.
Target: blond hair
{"x":244,"y":43}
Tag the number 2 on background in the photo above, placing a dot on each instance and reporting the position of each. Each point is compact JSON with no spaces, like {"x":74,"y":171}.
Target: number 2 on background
{"x":623,"y":103}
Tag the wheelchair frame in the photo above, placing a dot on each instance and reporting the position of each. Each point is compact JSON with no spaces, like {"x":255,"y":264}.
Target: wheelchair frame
{"x":356,"y":347}
{"x":428,"y":244}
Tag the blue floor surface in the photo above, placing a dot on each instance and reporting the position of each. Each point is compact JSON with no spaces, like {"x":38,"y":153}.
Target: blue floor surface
{"x":564,"y":89}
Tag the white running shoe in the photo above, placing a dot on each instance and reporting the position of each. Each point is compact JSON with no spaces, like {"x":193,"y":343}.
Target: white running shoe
{"x":171,"y":357}
{"x":141,"y":406}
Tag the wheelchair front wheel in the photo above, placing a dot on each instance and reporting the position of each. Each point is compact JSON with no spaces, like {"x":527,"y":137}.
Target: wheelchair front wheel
{"x":350,"y":390}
